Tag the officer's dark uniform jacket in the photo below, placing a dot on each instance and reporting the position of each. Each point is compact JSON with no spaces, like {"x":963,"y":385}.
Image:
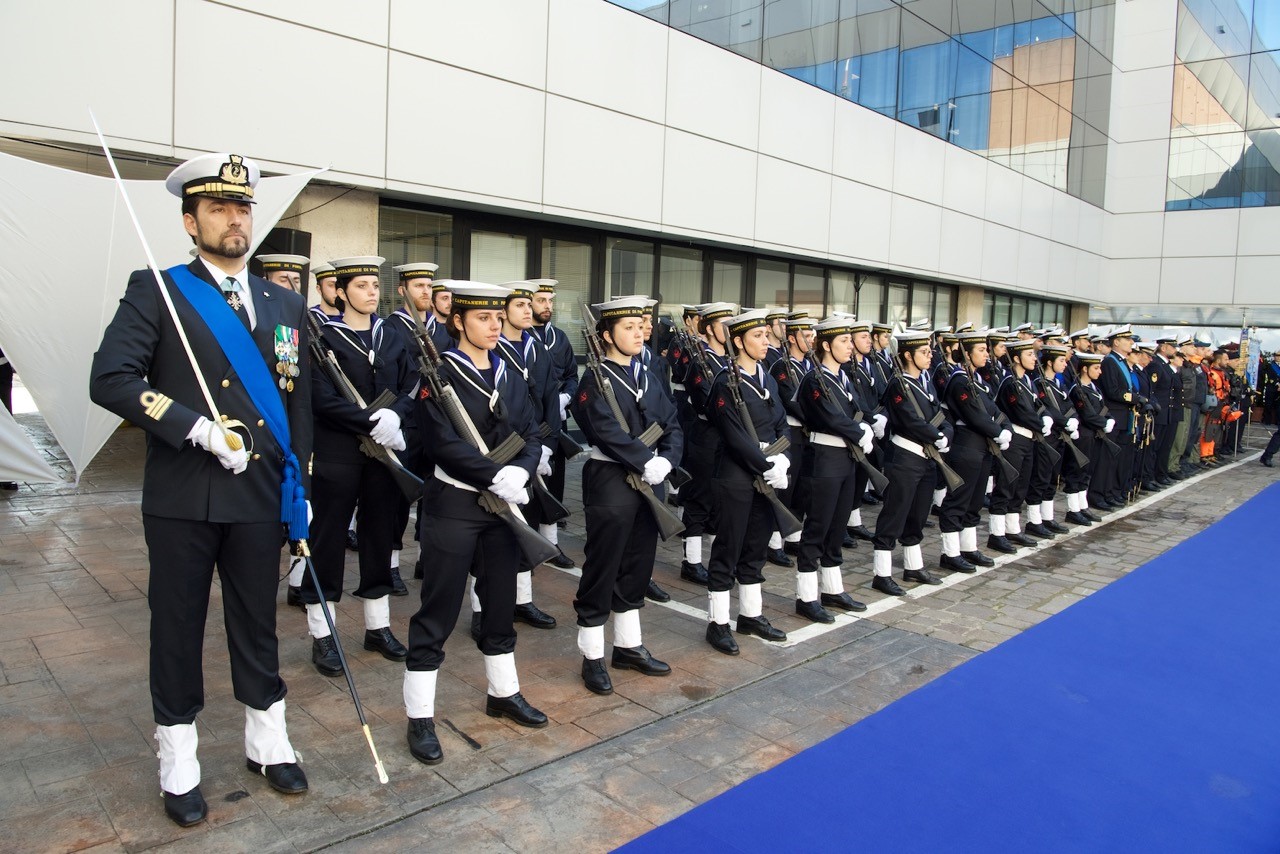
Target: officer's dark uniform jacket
{"x":741,"y":457}
{"x":642,"y":404}
{"x":1117,"y":392}
{"x":1160,"y":379}
{"x":141,"y":373}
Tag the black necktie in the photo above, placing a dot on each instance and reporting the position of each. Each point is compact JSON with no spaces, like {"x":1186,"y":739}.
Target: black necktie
{"x":231,"y":291}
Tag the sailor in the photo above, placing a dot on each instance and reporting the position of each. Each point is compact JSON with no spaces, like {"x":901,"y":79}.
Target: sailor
{"x":622,"y":535}
{"x":325,"y":279}
{"x":462,"y":536}
{"x":441,"y":301}
{"x":563,"y":372}
{"x":1016,"y":398}
{"x":1120,"y":394}
{"x":284,"y":270}
{"x":1046,"y":467}
{"x":213,"y":483}
{"x":1095,"y":443}
{"x":777,"y":320}
{"x":373,"y":360}
{"x":1166,"y":394}
{"x":788,"y":369}
{"x":869,"y":383}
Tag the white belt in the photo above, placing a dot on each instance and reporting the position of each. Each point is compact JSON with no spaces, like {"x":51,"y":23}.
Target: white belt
{"x":452,"y":481}
{"x":597,"y":454}
{"x":831,"y":440}
{"x":908,"y":445}
{"x":1022,"y":431}
{"x":701,"y":416}
{"x":793,"y":421}
{"x":677,"y":386}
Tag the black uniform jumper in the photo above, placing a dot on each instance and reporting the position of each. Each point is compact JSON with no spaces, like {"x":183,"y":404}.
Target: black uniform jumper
{"x":1093,"y":416}
{"x":1016,"y":398}
{"x":869,"y":383}
{"x":562,"y":372}
{"x":400,"y":323}
{"x":1120,"y":395}
{"x":788,"y":372}
{"x":703,"y":447}
{"x":1044,"y":472}
{"x":973,"y":414}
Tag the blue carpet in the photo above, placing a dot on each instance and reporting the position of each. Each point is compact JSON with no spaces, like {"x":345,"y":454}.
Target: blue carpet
{"x":1144,"y":718}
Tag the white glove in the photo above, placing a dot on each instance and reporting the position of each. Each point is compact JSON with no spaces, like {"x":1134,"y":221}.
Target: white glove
{"x":656,"y":471}
{"x":212,"y":439}
{"x":775,"y":477}
{"x":310,"y":515}
{"x":1111,"y":425}
{"x":866,"y":441}
{"x":1075,"y":435}
{"x":942,"y":444}
{"x":544,"y":464}
{"x":564,"y":406}
{"x":1004,"y":439}
{"x":1073,"y":426}
{"x":508,"y":484}
{"x":386,"y":423}
{"x":1048,"y":425}
{"x":878,"y":422}
{"x":780,"y":462}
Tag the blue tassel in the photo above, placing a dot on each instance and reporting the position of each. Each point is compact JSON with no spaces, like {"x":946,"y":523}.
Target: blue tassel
{"x":293,"y":501}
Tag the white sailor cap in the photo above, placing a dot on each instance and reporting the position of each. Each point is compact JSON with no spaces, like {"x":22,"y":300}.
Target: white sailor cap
{"x":1080,"y":333}
{"x":218,"y":176}
{"x":910,"y":339}
{"x":292,"y":263}
{"x":544,"y":286}
{"x":919,"y":325}
{"x":972,"y":336}
{"x":834,"y":325}
{"x":1145,"y":346}
{"x":1125,"y":331}
{"x":1090,"y":358}
{"x":520,"y":289}
{"x":359,"y":265}
{"x":967,"y":326}
{"x":416,"y":270}
{"x":716,"y":310}
{"x":467,"y":294}
{"x":749,"y":319}
{"x":796,"y":324}
{"x":1025,"y":327}
{"x":632,"y":306}
{"x":687,"y":310}
{"x":323,"y":270}
{"x":776,"y":313}
{"x":998,"y":332}
{"x":1167,"y":339}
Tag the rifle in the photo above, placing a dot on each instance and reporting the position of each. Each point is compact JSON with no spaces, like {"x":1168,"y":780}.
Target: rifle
{"x":565,"y":444}
{"x":877,"y":477}
{"x":669,"y":524}
{"x":954,"y":480}
{"x":1076,"y":454}
{"x":408,"y":482}
{"x":993,"y":447}
{"x":1037,"y":437}
{"x":787,"y":523}
{"x":535,"y":547}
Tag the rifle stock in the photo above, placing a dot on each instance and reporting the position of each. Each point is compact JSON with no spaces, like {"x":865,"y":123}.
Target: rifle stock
{"x":877,"y":477}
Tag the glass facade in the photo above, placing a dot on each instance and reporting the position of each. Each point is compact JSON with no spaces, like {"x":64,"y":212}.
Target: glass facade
{"x":409,"y":236}
{"x":1012,"y":310}
{"x":1224,"y":139}
{"x":1026,"y":83}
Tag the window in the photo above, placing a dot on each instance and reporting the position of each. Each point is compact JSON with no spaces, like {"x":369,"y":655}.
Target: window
{"x":870,"y":302}
{"x":569,"y":263}
{"x":498,"y":258}
{"x":628,"y":268}
{"x":408,"y":236}
{"x":808,"y":290}
{"x":726,"y":282}
{"x":680,"y":277}
{"x":773,"y":283}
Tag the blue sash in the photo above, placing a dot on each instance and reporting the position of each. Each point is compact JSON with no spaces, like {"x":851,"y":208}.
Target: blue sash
{"x":246,"y":360}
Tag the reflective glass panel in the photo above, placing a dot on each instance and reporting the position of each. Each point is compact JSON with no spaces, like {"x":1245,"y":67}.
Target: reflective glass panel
{"x":922,"y":304}
{"x":773,"y":284}
{"x":870,"y":302}
{"x":406,"y":236}
{"x":569,"y":263}
{"x":497,"y":257}
{"x":628,"y":267}
{"x":897,"y":306}
{"x":842,"y":296}
{"x":680,"y":276}
{"x":808,"y":290}
{"x":726,"y":282}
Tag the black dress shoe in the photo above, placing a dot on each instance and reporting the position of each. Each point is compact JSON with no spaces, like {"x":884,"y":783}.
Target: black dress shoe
{"x":929,"y":523}
{"x":920,"y":576}
{"x":1091,"y":516}
{"x":959,"y":563}
{"x":1075,"y":517}
{"x":352,"y":543}
{"x":384,"y":643}
{"x":1101,"y":505}
{"x":419,"y":570}
{"x":423,"y":743}
{"x":862,"y":532}
{"x":842,"y":601}
{"x":814,"y":612}
{"x":10,"y":486}
{"x":1001,"y":544}
{"x":778,"y":557}
{"x":639,"y":658}
{"x":1266,"y":461}
{"x":695,"y":572}
{"x":719,"y":636}
{"x":397,"y":583}
{"x":324,"y":655}
{"x":294,"y":598}
{"x":595,"y":677}
{"x":977,"y":558}
{"x":1151,"y":486}
{"x":848,"y":542}
{"x":1037,"y":529}
{"x":1057,"y":528}
{"x":533,"y":615}
{"x":286,"y":777}
{"x":760,"y":627}
{"x":562,"y":560}
{"x":186,"y":810}
{"x":872,"y":498}
{"x":1020,"y":539}
{"x":656,"y":593}
{"x":886,"y":584}
{"x":475,"y":625}
{"x":517,"y":708}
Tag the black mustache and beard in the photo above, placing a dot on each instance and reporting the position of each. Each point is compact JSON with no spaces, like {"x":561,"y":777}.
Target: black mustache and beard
{"x":230,"y":244}
{"x":542,"y":317}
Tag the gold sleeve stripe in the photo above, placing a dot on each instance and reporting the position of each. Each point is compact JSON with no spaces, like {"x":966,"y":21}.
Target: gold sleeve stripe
{"x":155,"y":404}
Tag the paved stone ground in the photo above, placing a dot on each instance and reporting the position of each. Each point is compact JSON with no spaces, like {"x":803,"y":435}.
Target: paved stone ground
{"x":77,"y":766}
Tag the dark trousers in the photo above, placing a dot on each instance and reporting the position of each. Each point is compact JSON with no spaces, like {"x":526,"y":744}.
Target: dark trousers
{"x":335,"y":489}
{"x":6,"y":387}
{"x":183,"y":555}
{"x":485,"y":548}
{"x":1044,"y":470}
{"x":555,"y":480}
{"x":1165,"y":434}
{"x":1075,"y":478}
{"x":622,"y":539}
{"x":831,"y":484}
{"x":1122,"y":481}
{"x":744,"y":523}
{"x":1272,"y":446}
{"x":796,"y":496}
{"x":1010,"y":493}
{"x":906,"y":501}
{"x":698,"y":496}
{"x":962,"y":507}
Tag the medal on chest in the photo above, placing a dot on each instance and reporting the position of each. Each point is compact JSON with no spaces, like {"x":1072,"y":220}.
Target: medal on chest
{"x":286,"y":350}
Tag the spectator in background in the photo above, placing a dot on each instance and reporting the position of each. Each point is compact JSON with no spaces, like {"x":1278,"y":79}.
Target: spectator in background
{"x":1269,"y":387}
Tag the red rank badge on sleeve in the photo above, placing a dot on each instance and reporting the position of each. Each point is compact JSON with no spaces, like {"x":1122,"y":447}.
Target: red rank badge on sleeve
{"x":582,"y":396}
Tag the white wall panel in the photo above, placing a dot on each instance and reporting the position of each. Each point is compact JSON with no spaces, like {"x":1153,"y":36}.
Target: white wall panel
{"x":495,"y":37}
{"x":603,"y":54}
{"x":364,"y":21}
{"x":1210,"y":232}
{"x":1197,"y":280}
{"x":496,"y":151}
{"x":1136,"y":235}
{"x":1063,"y":274}
{"x":797,"y":121}
{"x":1067,"y":212}
{"x":1037,"y":208}
{"x":708,"y":186}
{"x":1004,"y":195}
{"x":860,"y":217}
{"x":1144,"y":31}
{"x":713,"y":93}
{"x":1140,"y":104}
{"x":1259,"y":231}
{"x":599,"y":161}
{"x":1089,"y":286}
{"x":918,"y":165}
{"x":56,"y":65}
{"x":1131,"y":280}
{"x":792,"y":205}
{"x":1033,"y":263}
{"x":1093,"y":226}
{"x":1136,"y":176}
{"x":864,"y":142}
{"x":964,"y":183}
{"x":1257,"y":279}
{"x":915,"y":236}
{"x":960,"y":245}
{"x":999,"y":254}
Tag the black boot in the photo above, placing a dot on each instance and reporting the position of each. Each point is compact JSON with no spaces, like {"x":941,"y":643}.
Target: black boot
{"x":1075,"y":517}
{"x":977,"y":558}
{"x":813,"y":612}
{"x":639,"y":658}
{"x":423,"y":743}
{"x":718,"y":636}
{"x":475,"y":625}
{"x":842,"y":601}
{"x":1037,"y":529}
{"x":920,"y":576}
{"x":760,"y":627}
{"x":324,"y":655}
{"x":656,"y":593}
{"x":186,"y":810}
{"x":294,"y":598}
{"x":886,"y":584}
{"x":959,"y":563}
{"x":595,"y":677}
{"x":352,"y":543}
{"x":397,"y":583}
{"x":532,"y":615}
{"x":419,"y":570}
{"x":695,"y":572}
{"x":385,"y":644}
{"x":1000,"y":543}
{"x":778,"y":557}
{"x":517,"y":708}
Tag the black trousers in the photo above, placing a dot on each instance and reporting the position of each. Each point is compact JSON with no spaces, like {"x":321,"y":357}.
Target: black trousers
{"x":6,"y":387}
{"x":183,"y":556}
{"x":335,"y":489}
{"x":744,"y":523}
{"x":1044,"y":470}
{"x":1164,"y":443}
{"x":485,"y":548}
{"x":796,"y":496}
{"x":1075,"y":478}
{"x":1010,"y":493}
{"x":698,"y":497}
{"x":906,"y":501}
{"x":555,"y":480}
{"x":622,"y":540}
{"x":1272,"y":446}
{"x":962,"y":507}
{"x":830,"y":481}
{"x":1121,"y":483}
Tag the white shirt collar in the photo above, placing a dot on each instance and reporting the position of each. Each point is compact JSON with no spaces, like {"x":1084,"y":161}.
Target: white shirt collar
{"x":242,"y":278}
